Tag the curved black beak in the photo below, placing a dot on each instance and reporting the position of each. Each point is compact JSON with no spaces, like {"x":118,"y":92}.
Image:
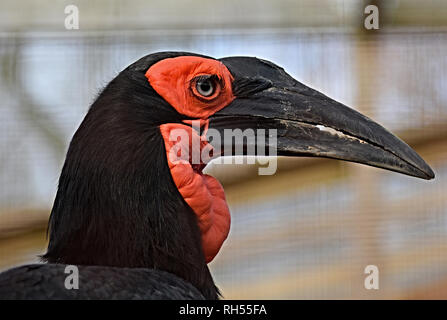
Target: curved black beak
{"x":309,"y":123}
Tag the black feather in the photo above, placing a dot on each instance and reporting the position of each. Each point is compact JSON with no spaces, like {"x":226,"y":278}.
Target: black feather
{"x":47,"y":281}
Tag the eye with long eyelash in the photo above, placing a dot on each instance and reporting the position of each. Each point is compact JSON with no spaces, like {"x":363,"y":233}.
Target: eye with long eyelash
{"x":206,"y":85}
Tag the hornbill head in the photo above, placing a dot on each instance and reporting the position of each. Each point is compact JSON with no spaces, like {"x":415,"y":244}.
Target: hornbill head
{"x":123,"y":200}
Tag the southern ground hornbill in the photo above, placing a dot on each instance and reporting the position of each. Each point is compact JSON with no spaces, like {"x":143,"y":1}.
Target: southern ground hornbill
{"x":142,"y":226}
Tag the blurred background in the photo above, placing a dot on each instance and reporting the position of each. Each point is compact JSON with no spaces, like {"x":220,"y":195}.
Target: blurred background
{"x":308,"y":231}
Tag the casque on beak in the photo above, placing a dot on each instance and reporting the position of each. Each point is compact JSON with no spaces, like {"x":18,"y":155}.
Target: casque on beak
{"x":309,"y":123}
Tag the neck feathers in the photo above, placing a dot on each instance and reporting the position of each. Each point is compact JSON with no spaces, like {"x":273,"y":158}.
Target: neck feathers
{"x":117,"y":205}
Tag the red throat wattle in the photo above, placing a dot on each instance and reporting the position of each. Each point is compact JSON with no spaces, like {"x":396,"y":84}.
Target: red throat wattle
{"x":173,"y":79}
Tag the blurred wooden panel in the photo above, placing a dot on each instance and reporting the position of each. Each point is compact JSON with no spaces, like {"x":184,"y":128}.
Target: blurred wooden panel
{"x":22,"y":248}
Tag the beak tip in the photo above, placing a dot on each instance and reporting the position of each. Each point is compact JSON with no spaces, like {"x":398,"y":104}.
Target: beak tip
{"x":430,"y":174}
{"x":426,"y":172}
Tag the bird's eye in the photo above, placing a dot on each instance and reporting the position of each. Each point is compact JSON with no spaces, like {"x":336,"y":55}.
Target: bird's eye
{"x":205,"y":85}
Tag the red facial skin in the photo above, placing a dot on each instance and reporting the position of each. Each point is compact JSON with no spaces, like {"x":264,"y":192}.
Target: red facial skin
{"x":174,"y":80}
